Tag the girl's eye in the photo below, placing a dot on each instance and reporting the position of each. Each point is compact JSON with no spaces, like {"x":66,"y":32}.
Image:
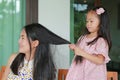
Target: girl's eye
{"x":86,"y":21}
{"x":91,"y":21}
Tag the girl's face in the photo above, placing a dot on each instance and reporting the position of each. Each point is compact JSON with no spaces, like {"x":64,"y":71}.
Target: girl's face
{"x":92,"y":22}
{"x":24,"y":46}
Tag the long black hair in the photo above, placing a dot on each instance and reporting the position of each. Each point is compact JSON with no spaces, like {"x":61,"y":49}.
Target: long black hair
{"x":43,"y":66}
{"x":104,"y":30}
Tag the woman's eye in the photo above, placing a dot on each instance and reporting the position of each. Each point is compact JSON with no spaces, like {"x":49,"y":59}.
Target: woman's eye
{"x":22,"y":38}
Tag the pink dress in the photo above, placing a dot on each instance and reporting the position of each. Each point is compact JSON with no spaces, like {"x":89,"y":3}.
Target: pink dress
{"x":87,"y":70}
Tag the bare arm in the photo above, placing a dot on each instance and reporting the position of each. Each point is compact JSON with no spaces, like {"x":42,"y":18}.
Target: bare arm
{"x":7,"y":70}
{"x":97,"y":59}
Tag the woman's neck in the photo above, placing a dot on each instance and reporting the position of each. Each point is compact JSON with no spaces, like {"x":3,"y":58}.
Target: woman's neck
{"x":29,"y":57}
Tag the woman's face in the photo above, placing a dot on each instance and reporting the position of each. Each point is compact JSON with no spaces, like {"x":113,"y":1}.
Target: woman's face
{"x":92,"y":22}
{"x":24,"y":46}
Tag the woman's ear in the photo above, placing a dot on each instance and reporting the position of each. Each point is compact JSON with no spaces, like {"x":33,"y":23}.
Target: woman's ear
{"x":35,"y":43}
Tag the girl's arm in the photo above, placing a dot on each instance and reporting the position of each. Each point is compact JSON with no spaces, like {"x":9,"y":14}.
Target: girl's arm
{"x":97,"y":59}
{"x":7,"y":70}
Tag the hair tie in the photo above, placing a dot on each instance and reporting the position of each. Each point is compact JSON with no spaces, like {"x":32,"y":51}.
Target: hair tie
{"x":100,"y":11}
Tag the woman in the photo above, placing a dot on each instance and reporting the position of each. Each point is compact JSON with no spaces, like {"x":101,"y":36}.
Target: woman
{"x":34,"y":61}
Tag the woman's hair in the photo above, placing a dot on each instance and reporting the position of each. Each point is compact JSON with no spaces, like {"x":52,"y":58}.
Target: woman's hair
{"x":44,"y":68}
{"x":104,"y":28}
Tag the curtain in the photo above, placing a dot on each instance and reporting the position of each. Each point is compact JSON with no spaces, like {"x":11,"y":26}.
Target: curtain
{"x":12,"y":19}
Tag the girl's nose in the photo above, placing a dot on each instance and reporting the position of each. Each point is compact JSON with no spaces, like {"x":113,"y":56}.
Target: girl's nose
{"x":87,"y":24}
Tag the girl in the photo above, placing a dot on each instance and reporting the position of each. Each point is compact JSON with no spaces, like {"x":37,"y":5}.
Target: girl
{"x":91,"y":50}
{"x":34,"y":61}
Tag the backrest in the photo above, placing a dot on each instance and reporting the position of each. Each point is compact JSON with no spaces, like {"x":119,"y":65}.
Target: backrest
{"x":2,"y":71}
{"x":112,"y":75}
{"x":0,"y":75}
{"x":62,"y":74}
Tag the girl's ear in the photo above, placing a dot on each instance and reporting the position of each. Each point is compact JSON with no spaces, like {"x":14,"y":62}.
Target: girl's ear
{"x":35,"y":43}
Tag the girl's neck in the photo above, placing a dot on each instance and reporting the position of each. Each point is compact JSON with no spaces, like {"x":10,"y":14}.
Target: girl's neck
{"x":92,"y":35}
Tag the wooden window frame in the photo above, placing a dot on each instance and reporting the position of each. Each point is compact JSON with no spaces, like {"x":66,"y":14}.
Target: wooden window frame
{"x":31,"y":11}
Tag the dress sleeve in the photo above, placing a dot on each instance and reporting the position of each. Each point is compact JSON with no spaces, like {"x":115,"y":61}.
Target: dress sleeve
{"x":102,"y":48}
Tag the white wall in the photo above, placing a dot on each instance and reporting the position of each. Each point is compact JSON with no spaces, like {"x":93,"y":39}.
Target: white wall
{"x":55,"y":15}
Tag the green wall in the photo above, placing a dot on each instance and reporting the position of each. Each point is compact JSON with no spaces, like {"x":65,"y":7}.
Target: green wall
{"x":112,"y":7}
{"x":71,"y":27}
{"x":12,"y":19}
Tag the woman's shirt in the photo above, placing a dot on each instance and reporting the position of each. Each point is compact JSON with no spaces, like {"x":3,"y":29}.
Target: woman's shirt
{"x":25,"y":73}
{"x":87,"y":70}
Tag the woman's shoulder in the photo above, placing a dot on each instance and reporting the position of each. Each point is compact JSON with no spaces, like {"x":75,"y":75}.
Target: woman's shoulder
{"x":12,"y":57}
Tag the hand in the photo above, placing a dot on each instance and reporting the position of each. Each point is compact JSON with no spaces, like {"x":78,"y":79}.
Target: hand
{"x":72,"y":46}
{"x":78,"y":51}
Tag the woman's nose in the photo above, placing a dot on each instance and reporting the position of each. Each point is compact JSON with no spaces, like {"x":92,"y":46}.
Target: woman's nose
{"x":19,"y":41}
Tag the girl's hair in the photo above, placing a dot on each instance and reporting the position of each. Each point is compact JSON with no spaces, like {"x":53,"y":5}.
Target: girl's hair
{"x":104,"y":29}
{"x":44,"y":68}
